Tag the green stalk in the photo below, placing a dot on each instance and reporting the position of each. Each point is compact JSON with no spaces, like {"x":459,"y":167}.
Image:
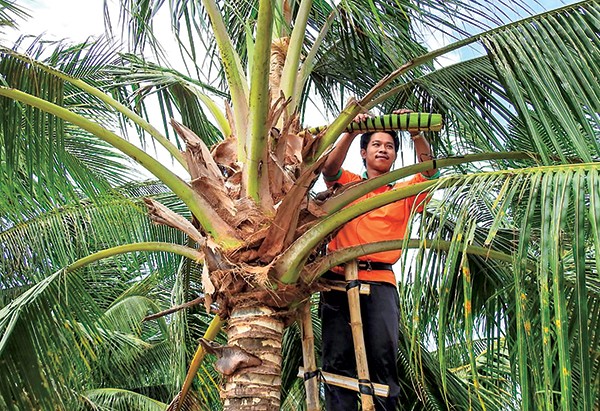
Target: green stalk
{"x":280,"y":25}
{"x":355,"y":107}
{"x":335,"y":129}
{"x":338,"y":202}
{"x":289,"y":75}
{"x":216,"y":112}
{"x":108,"y":100}
{"x":309,"y":62}
{"x":255,"y":172}
{"x":233,"y":71}
{"x":369,"y":100}
{"x":184,"y":251}
{"x":249,"y":49}
{"x":338,"y":257}
{"x":149,"y":128}
{"x":207,"y":217}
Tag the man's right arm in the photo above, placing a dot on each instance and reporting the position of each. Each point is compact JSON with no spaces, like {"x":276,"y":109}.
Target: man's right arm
{"x":336,"y":158}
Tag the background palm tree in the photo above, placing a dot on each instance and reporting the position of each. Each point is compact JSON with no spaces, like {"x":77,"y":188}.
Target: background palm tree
{"x":500,"y":306}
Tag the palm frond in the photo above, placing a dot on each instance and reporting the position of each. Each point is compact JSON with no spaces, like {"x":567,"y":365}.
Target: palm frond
{"x":529,"y":308}
{"x":39,"y":329}
{"x":118,"y":399}
{"x":10,"y":13}
{"x":41,"y":152}
{"x":138,"y":80}
{"x":527,"y":94}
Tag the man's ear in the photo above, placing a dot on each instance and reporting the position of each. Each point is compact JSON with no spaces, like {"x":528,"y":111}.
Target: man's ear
{"x":363,"y":153}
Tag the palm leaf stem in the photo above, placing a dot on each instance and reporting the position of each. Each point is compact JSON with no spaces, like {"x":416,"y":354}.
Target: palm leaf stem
{"x":289,"y":76}
{"x":188,"y":252}
{"x":354,"y":107}
{"x":319,"y":267}
{"x":371,"y":99}
{"x":163,"y":77}
{"x":174,"y":151}
{"x":234,"y":72}
{"x":335,"y":129}
{"x":174,"y":309}
{"x":338,"y":202}
{"x":214,"y":109}
{"x":205,"y":214}
{"x":255,"y":172}
{"x":309,"y":62}
{"x":289,"y":264}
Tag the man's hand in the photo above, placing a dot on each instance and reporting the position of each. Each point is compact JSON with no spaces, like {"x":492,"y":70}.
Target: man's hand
{"x":359,"y":118}
{"x":422,"y":147}
{"x":415,"y":135}
{"x":336,"y":157}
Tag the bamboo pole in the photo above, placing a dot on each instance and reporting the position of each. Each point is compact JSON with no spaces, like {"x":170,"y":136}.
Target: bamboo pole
{"x":357,"y":333}
{"x":311,"y":385}
{"x":349,"y":383}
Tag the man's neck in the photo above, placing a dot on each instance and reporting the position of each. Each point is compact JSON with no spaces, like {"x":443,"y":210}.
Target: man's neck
{"x":370,"y":173}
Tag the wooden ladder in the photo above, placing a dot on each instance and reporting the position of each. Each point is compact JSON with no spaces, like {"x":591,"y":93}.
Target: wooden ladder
{"x":309,"y":372}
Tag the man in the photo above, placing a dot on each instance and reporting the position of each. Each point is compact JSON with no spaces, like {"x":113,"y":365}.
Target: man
{"x":380,"y":309}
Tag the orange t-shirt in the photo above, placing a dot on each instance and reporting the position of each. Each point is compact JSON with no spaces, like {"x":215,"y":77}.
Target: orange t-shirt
{"x":388,"y":222}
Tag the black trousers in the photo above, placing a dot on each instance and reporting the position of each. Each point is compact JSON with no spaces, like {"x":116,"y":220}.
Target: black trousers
{"x":380,"y":316}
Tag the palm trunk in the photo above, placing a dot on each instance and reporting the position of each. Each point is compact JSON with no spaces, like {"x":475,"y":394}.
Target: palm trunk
{"x":258,"y":331}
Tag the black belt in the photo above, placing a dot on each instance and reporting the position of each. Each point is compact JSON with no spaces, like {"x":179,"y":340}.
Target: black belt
{"x":374,"y":265}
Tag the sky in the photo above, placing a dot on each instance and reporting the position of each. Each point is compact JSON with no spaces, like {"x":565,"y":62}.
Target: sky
{"x":58,"y":19}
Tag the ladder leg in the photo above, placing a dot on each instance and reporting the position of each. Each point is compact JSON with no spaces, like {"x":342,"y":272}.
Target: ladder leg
{"x":357,"y":334}
{"x":311,"y":382}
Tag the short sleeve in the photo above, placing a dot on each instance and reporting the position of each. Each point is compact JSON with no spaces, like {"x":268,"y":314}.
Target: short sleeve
{"x":342,"y":177}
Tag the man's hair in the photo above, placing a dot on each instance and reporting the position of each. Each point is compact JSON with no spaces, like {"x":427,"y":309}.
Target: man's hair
{"x":366,"y":137}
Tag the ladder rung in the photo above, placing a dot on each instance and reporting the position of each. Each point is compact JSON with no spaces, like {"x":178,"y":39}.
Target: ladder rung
{"x":348,"y":382}
{"x":341,"y":286}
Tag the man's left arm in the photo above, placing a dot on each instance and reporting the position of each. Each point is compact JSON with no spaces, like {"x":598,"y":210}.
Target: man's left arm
{"x":422,"y":147}
{"x":423,"y":151}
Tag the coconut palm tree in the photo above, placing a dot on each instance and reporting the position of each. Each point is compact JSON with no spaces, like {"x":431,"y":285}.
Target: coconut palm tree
{"x":499,"y":299}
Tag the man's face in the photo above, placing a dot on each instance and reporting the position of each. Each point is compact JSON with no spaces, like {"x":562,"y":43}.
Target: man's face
{"x":380,"y":153}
